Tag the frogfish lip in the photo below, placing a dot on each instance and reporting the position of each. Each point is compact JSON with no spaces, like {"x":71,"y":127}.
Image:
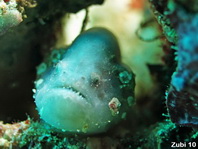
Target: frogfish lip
{"x":74,"y":91}
{"x":54,"y":102}
{"x":68,"y":93}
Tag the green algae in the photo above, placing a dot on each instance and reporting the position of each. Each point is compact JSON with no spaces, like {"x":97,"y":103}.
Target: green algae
{"x":40,"y":135}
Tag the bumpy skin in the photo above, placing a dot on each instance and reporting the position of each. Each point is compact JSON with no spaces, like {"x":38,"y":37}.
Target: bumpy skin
{"x":76,"y":94}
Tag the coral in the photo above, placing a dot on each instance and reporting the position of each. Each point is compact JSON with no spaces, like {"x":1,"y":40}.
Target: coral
{"x":10,"y":134}
{"x":161,"y":9}
{"x":86,"y":90}
{"x":40,"y":135}
{"x":11,"y":13}
{"x":181,"y":20}
{"x":10,"y":16}
{"x":182,"y":97}
{"x":161,"y":136}
{"x":32,"y":134}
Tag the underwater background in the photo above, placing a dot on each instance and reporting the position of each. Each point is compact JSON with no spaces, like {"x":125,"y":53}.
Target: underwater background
{"x":98,"y":74}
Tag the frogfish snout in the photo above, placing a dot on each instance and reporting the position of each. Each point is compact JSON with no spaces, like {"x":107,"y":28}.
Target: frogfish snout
{"x":88,"y":90}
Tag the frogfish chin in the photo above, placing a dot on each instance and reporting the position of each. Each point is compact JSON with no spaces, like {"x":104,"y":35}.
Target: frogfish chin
{"x":88,"y":90}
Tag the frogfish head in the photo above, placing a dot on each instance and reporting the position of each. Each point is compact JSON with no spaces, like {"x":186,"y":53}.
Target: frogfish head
{"x":88,"y":90}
